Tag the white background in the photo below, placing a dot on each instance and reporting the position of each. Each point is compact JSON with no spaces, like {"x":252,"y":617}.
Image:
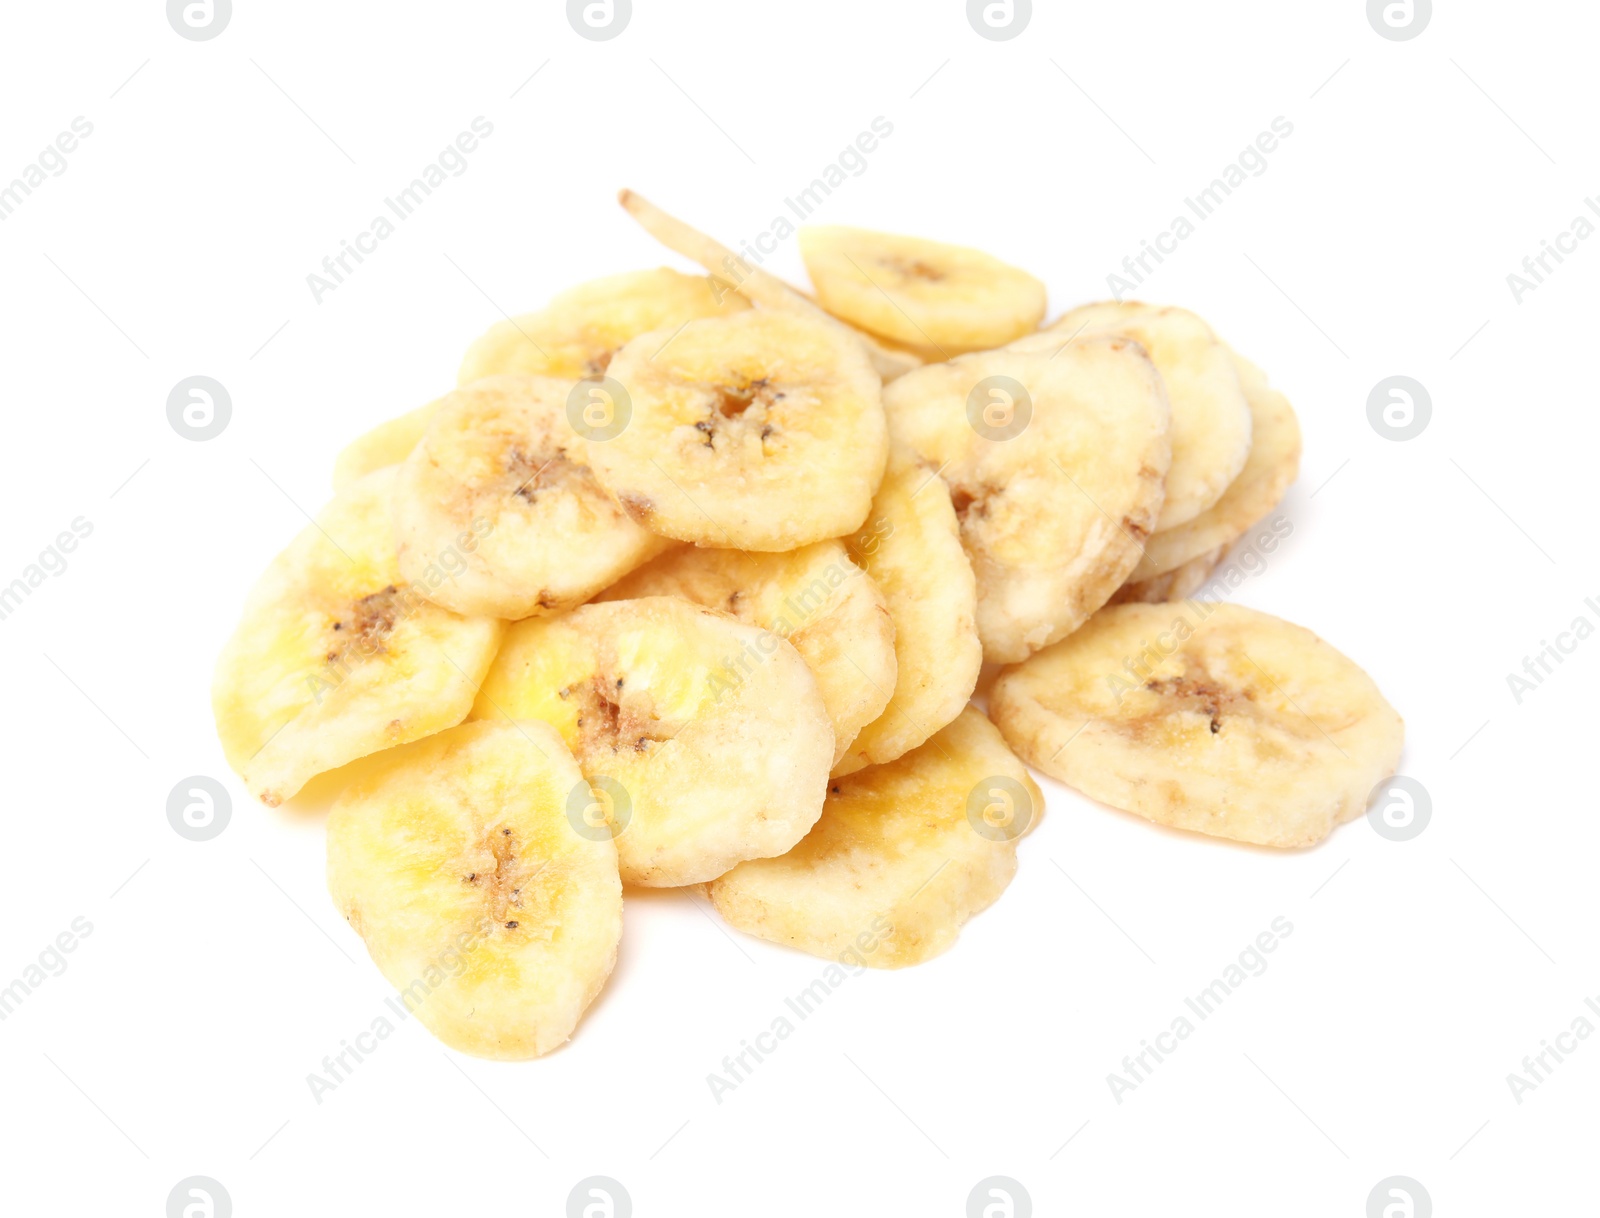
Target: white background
{"x":1378,"y":241}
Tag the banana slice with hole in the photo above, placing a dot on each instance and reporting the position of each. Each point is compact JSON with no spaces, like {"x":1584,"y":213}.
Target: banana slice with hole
{"x":1178,"y":584}
{"x":338,"y":656}
{"x":760,"y":431}
{"x":497,"y":492}
{"x":731,"y":273}
{"x":815,"y":597}
{"x":911,"y":547}
{"x":454,"y":860}
{"x":921,"y":293}
{"x":1055,"y":455}
{"x":1272,"y":466}
{"x":904,"y":854}
{"x":582,"y":328}
{"x":1210,"y":416}
{"x":1207,"y":717}
{"x":705,"y":740}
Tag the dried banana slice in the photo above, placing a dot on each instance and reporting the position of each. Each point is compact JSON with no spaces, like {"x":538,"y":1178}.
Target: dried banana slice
{"x":760,"y":431}
{"x":1206,"y":717}
{"x":815,"y":597}
{"x":1178,"y":584}
{"x":386,"y":444}
{"x":708,"y":737}
{"x":583,"y":327}
{"x":454,"y":859}
{"x":337,"y":656}
{"x":736,"y":274}
{"x":498,"y":492}
{"x":921,"y":293}
{"x":1210,"y":417}
{"x":904,"y":854}
{"x":1055,"y":454}
{"x":1273,"y":464}
{"x":911,"y":547}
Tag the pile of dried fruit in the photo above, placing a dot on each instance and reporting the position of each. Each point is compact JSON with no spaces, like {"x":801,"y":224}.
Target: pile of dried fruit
{"x":691,"y":581}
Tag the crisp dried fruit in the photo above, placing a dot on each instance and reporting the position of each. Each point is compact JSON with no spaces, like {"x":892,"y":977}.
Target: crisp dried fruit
{"x":1210,"y":417}
{"x":760,"y":431}
{"x":924,"y":294}
{"x":704,"y":766}
{"x":1055,"y":454}
{"x":815,"y":597}
{"x":454,"y":860}
{"x":497,"y":492}
{"x":735,"y":274}
{"x":911,"y":547}
{"x":582,"y":328}
{"x":337,"y":656}
{"x":1273,"y":464}
{"x":904,"y":854}
{"x":1206,"y":717}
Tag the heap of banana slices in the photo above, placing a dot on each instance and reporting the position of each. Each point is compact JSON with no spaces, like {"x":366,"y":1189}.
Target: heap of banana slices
{"x":691,"y":582}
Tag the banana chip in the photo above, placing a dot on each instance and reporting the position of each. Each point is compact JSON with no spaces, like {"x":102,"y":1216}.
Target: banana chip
{"x":1055,"y":454}
{"x":1207,"y":717}
{"x":501,"y":467}
{"x":760,"y":431}
{"x":1273,"y":464}
{"x":454,"y":860}
{"x":904,"y":854}
{"x":923,"y":294}
{"x":338,"y":656}
{"x":911,"y":547}
{"x":705,"y":741}
{"x":1210,"y":416}
{"x":815,"y":597}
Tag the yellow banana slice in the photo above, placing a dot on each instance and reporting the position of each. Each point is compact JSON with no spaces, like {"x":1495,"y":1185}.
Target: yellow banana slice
{"x":815,"y":597}
{"x":1273,"y":464}
{"x":911,"y":547}
{"x":1207,"y":717}
{"x":705,"y":740}
{"x":904,"y":854}
{"x":498,"y":491}
{"x":733,"y":273}
{"x":760,"y":431}
{"x":454,"y":860}
{"x":921,"y":293}
{"x":337,"y":656}
{"x":1178,"y":584}
{"x":1055,"y":454}
{"x":1210,"y":417}
{"x":585,"y":326}
{"x":386,"y":444}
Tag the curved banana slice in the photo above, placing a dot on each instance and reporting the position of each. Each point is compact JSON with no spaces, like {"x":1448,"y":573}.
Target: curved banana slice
{"x":904,"y":854}
{"x":918,"y":292}
{"x":911,"y":547}
{"x":582,"y":328}
{"x":1210,"y":417}
{"x":1273,"y":464}
{"x":455,"y":861}
{"x":1212,"y":718}
{"x":732,"y":272}
{"x":1055,"y":454}
{"x":815,"y":597}
{"x":386,"y":444}
{"x":497,"y":490}
{"x":707,"y":737}
{"x":337,"y":656}
{"x":760,"y":431}
{"x":1178,"y":584}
